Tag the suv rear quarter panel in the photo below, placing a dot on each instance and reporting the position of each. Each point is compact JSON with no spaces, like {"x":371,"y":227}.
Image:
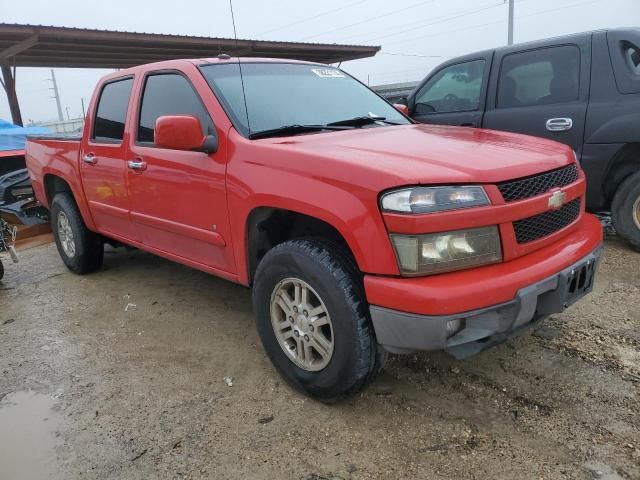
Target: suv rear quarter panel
{"x":613,"y":121}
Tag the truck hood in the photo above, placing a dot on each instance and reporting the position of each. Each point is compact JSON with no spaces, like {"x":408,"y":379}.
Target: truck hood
{"x":433,"y":154}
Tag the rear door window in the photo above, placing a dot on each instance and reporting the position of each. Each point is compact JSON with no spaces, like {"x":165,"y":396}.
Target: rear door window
{"x":540,"y":77}
{"x":456,"y":88}
{"x":108,"y":125}
{"x":169,"y":94}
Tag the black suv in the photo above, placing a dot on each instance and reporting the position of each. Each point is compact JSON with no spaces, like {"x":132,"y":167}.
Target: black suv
{"x":582,"y":90}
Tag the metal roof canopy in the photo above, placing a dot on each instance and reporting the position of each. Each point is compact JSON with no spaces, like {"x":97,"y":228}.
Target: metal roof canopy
{"x":47,"y":46}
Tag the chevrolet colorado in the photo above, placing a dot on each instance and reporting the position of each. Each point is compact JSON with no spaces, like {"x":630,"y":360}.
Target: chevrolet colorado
{"x":359,"y":231}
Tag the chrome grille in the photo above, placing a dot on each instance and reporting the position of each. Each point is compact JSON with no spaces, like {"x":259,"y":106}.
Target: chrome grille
{"x":531,"y":186}
{"x":544,"y":224}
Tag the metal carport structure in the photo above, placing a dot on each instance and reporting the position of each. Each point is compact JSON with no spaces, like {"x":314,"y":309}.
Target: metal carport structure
{"x":63,"y":47}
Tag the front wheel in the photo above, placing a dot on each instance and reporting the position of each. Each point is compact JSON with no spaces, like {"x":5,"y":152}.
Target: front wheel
{"x":625,"y":210}
{"x":313,"y":319}
{"x":81,"y":250}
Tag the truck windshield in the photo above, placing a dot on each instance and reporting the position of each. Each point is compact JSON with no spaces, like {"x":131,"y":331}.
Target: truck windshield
{"x":279,"y":96}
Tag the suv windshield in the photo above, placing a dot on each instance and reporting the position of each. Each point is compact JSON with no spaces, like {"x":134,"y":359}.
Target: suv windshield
{"x":278,"y":95}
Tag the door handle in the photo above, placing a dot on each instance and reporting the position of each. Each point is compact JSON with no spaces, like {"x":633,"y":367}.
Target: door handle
{"x":89,"y":158}
{"x":559,"y":124}
{"x":137,"y":164}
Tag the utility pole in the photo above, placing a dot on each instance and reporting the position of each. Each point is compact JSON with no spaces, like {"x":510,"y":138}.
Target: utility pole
{"x":56,"y":95}
{"x":67,"y":109}
{"x":83,"y":112}
{"x":510,"y":36}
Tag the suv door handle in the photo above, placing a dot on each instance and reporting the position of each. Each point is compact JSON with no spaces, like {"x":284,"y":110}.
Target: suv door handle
{"x":137,"y":164}
{"x":89,"y":158}
{"x":559,"y":124}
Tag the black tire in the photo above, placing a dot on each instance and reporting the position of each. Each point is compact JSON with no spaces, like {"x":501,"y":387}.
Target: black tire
{"x":89,"y":248}
{"x":1,"y":269}
{"x":625,"y":201}
{"x":356,"y":358}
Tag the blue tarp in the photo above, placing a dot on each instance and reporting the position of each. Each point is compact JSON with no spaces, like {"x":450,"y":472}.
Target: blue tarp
{"x":13,"y":137}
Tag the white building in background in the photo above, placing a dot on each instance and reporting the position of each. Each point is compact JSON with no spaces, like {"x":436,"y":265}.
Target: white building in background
{"x":67,"y":126}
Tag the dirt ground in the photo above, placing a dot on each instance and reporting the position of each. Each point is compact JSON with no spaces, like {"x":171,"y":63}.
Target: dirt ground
{"x":121,"y":375}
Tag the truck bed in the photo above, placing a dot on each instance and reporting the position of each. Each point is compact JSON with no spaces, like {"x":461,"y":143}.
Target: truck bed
{"x":52,"y":155}
{"x":57,"y":136}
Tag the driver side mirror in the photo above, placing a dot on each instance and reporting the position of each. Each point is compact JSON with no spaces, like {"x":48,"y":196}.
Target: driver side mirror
{"x":183,"y":132}
{"x":403,"y":109}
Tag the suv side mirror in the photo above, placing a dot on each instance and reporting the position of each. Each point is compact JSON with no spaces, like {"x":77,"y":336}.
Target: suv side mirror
{"x":403,"y":109}
{"x":183,"y":132}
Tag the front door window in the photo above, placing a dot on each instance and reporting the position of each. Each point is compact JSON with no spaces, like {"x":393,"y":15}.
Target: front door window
{"x":456,"y":88}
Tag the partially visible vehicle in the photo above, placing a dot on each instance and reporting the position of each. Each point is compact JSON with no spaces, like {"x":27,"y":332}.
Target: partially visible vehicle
{"x":7,"y":241}
{"x":395,"y":92}
{"x":360,"y":232}
{"x":582,"y":90}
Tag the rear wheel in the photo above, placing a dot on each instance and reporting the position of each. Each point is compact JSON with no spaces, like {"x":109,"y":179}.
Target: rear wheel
{"x":81,"y":250}
{"x":313,"y":319}
{"x":625,"y":210}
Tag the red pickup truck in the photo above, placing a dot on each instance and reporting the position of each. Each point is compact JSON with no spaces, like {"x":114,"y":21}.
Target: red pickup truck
{"x":359,"y":231}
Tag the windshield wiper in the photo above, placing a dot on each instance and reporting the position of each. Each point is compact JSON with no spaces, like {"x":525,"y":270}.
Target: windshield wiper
{"x":294,"y":130}
{"x":363,"y":120}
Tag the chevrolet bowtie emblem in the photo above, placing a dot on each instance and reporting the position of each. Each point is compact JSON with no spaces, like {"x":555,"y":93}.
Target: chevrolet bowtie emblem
{"x":557,"y":199}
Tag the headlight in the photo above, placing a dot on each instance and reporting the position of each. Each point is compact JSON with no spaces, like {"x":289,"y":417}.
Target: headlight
{"x":433,"y":199}
{"x":447,"y":251}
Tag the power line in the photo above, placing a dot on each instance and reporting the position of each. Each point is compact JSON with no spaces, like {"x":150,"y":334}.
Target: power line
{"x":414,"y":55}
{"x":437,"y":21}
{"x":393,"y":12}
{"x":304,"y":20}
{"x":471,"y":27}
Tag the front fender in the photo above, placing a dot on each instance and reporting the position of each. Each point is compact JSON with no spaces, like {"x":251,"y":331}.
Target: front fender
{"x":352,"y":211}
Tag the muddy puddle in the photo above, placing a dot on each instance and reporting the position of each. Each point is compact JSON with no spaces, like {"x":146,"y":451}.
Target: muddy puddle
{"x":28,"y":424}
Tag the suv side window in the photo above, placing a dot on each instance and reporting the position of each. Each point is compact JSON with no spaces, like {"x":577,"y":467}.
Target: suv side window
{"x":108,"y":125}
{"x":540,"y":77}
{"x":169,"y":94}
{"x":632,"y":55}
{"x":456,"y":88}
{"x":624,"y":49}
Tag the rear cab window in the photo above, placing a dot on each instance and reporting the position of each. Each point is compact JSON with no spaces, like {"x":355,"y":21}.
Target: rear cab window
{"x":539,"y":77}
{"x":111,"y":111}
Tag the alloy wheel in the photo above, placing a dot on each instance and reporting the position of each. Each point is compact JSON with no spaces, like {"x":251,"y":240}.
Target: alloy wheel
{"x":65,"y":234}
{"x":302,"y":324}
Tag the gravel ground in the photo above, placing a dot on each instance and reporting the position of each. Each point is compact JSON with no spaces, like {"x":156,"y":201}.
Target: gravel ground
{"x":121,"y":374}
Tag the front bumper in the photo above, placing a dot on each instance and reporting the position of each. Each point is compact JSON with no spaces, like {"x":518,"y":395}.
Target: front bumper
{"x":400,"y":332}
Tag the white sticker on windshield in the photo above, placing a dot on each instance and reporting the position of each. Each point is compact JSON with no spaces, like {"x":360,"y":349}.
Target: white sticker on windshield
{"x":328,"y":72}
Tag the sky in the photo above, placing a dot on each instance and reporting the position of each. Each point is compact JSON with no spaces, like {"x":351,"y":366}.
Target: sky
{"x":415,"y":35}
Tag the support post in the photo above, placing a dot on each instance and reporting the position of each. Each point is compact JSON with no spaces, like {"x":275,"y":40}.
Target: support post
{"x":9,"y":85}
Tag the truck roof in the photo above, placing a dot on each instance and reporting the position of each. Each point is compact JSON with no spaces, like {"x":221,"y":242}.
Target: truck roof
{"x":550,"y":40}
{"x":222,"y":58}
